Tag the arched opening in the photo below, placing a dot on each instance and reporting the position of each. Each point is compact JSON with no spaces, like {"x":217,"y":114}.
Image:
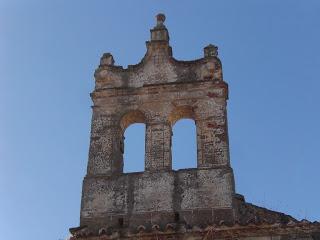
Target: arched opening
{"x":184,"y":144}
{"x":132,"y":144}
{"x":134,"y":148}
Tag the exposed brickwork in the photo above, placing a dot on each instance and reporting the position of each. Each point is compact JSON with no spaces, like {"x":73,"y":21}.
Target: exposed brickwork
{"x":189,"y":203}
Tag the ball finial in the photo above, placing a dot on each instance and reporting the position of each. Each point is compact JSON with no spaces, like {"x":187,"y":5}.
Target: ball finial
{"x":160,"y":18}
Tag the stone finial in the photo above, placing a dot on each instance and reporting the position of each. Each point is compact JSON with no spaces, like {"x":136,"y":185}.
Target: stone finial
{"x":210,"y":51}
{"x":107,"y":60}
{"x":160,"y":19}
{"x":160,"y":32}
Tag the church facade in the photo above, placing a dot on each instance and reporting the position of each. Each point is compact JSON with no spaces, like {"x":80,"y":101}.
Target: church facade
{"x":197,"y":203}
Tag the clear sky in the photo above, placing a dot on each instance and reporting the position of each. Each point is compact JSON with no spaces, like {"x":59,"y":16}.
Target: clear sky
{"x":49,"y":50}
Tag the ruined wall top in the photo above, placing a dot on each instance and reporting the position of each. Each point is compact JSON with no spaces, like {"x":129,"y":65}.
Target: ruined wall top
{"x":158,"y":66}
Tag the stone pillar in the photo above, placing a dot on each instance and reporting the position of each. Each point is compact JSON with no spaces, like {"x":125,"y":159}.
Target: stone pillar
{"x":158,"y":146}
{"x":212,"y":136}
{"x":105,"y":155}
{"x":212,"y":144}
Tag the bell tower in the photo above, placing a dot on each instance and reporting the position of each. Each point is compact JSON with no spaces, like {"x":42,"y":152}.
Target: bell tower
{"x":159,"y":91}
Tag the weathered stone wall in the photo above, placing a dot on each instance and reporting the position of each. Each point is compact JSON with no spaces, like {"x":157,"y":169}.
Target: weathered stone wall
{"x":159,"y":107}
{"x":192,"y":193}
{"x":160,"y":203}
{"x":158,"y":91}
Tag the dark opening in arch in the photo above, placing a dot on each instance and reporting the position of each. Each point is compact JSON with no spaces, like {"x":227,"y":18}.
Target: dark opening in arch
{"x":184,"y":144}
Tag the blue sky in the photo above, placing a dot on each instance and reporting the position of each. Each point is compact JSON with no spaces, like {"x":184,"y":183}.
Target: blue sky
{"x":48,"y":52}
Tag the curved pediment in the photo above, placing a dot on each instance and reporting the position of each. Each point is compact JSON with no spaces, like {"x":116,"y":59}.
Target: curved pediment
{"x":158,"y":66}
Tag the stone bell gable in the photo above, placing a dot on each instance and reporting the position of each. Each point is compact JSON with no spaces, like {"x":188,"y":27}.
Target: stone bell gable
{"x":158,"y":91}
{"x":187,"y":203}
{"x":158,"y":65}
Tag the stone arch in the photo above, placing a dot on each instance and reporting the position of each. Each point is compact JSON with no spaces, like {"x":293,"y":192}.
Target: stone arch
{"x":181,"y":112}
{"x":130,"y":117}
